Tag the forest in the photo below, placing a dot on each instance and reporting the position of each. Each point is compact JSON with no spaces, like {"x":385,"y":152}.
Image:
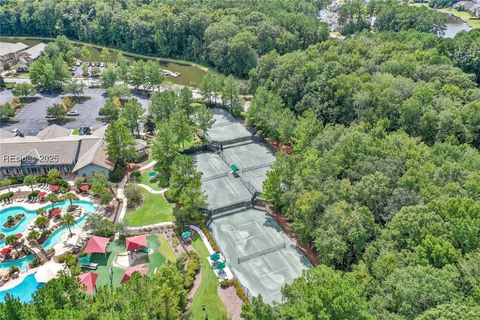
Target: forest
{"x":382,"y":179}
{"x":228,"y":35}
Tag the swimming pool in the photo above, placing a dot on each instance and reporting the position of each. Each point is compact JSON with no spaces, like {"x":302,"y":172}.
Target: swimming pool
{"x":55,"y":237}
{"x":20,"y":227}
{"x":24,"y":290}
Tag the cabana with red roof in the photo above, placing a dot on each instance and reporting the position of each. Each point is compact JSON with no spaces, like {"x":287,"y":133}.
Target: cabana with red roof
{"x":131,"y":270}
{"x":84,"y":187}
{"x":54,"y":187}
{"x":97,"y":244}
{"x":136,"y":242}
{"x":88,"y":281}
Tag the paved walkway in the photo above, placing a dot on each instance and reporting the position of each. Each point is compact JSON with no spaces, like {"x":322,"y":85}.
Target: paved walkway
{"x":150,"y":226}
{"x":149,"y":189}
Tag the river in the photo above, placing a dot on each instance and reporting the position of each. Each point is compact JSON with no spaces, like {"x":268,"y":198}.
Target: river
{"x":190,"y":74}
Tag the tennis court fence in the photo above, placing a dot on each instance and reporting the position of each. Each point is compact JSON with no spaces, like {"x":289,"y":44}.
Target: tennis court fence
{"x":215,"y":176}
{"x":241,"y":204}
{"x":258,"y":166}
{"x":261,"y":253}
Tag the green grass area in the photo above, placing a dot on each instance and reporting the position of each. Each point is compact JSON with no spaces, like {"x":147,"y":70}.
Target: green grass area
{"x":145,"y":179}
{"x":465,"y":16}
{"x":75,"y":132}
{"x":207,"y":292}
{"x":155,"y":256}
{"x":154,"y":209}
{"x":166,"y":251}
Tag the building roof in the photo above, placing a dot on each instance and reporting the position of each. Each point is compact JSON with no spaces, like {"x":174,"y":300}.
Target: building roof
{"x":54,"y":146}
{"x":4,"y":134}
{"x":8,"y":48}
{"x":53,"y":131}
{"x":35,"y":51}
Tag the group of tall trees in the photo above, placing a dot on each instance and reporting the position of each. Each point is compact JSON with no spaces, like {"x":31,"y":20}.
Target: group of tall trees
{"x":230,"y":36}
{"x":388,"y":15}
{"x":382,"y":179}
{"x":161,"y":296}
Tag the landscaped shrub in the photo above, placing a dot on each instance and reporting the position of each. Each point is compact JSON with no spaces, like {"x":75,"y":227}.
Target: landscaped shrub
{"x":134,"y":195}
{"x":168,"y":195}
{"x":116,"y":175}
{"x":224,"y":284}
{"x":135,"y":175}
{"x":210,"y":238}
{"x":34,"y":194}
{"x":193,"y":266}
{"x":6,"y":195}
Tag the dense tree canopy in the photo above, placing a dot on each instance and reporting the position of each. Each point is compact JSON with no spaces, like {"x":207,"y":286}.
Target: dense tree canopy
{"x":228,"y":35}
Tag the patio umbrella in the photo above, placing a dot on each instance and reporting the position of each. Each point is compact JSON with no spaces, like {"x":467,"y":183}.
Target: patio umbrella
{"x":215,"y":256}
{"x":220,"y":265}
{"x":234,"y":167}
{"x":186,"y":234}
{"x":131,"y":270}
{"x":136,"y":242}
{"x":18,"y":235}
{"x":88,"y":281}
{"x":6,"y":250}
{"x":48,"y":271}
{"x":84,"y":187}
{"x":97,"y":244}
{"x":42,"y":194}
{"x":56,"y":211}
{"x":54,"y":187}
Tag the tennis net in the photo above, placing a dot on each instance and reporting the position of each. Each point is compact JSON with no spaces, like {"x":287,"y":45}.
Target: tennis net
{"x":220,"y":175}
{"x":261,"y":253}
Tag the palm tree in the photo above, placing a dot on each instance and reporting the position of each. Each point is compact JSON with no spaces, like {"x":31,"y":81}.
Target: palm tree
{"x":33,"y":235}
{"x":42,"y":222}
{"x":12,"y":240}
{"x":70,"y":196}
{"x":68,"y":220}
{"x":41,"y":211}
{"x":52,"y":198}
{"x":6,"y":183}
{"x":29,"y":181}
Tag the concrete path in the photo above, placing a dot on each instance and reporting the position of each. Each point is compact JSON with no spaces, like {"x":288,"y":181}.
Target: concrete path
{"x":150,"y":226}
{"x":149,"y":189}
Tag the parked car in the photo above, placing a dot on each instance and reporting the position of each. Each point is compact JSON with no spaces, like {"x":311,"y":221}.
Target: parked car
{"x":84,"y":130}
{"x":73,"y":113}
{"x":97,"y":64}
{"x":49,"y":116}
{"x":78,"y":64}
{"x":102,"y":65}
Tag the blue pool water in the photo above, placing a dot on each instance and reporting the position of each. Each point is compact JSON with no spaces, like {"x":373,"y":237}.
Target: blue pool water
{"x":24,"y":290}
{"x":29,"y":285}
{"x":20,"y":227}
{"x":54,"y":238}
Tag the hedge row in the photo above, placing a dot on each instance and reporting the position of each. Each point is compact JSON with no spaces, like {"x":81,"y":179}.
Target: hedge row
{"x":193,"y":266}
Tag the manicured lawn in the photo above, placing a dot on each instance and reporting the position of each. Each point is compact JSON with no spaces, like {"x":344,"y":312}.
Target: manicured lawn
{"x":166,"y":251}
{"x":154,"y":209}
{"x":207,"y":292}
{"x":145,"y":179}
{"x":155,"y":256}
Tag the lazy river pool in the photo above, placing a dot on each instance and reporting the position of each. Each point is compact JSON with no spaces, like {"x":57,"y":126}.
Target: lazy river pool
{"x":54,"y":238}
{"x":25,"y":289}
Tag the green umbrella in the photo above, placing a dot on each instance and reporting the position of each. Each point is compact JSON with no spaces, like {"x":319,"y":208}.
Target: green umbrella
{"x":234,"y":167}
{"x":215,"y":256}
{"x":186,"y":234}
{"x":220,"y":265}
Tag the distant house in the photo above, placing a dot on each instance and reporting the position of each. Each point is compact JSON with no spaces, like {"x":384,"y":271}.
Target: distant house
{"x":475,"y":10}
{"x":54,"y":148}
{"x":463,"y":5}
{"x":10,"y":52}
{"x":30,"y":55}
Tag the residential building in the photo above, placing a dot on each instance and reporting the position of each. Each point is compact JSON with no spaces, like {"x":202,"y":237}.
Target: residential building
{"x":54,"y":148}
{"x":10,"y":52}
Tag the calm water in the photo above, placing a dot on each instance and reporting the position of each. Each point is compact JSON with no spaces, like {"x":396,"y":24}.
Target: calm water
{"x":24,"y":290}
{"x":454,"y":26}
{"x":190,"y":74}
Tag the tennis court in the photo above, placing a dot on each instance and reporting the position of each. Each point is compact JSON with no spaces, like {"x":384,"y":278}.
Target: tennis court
{"x":248,"y":155}
{"x":224,"y":191}
{"x":210,"y":164}
{"x":260,"y":253}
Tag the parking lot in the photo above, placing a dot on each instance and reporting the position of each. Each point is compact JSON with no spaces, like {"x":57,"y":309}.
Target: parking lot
{"x":31,"y":118}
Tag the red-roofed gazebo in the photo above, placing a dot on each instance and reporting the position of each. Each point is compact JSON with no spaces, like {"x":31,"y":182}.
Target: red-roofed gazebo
{"x":54,"y":187}
{"x":97,"y":244}
{"x":88,"y":281}
{"x":131,"y":270}
{"x":136,"y":242}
